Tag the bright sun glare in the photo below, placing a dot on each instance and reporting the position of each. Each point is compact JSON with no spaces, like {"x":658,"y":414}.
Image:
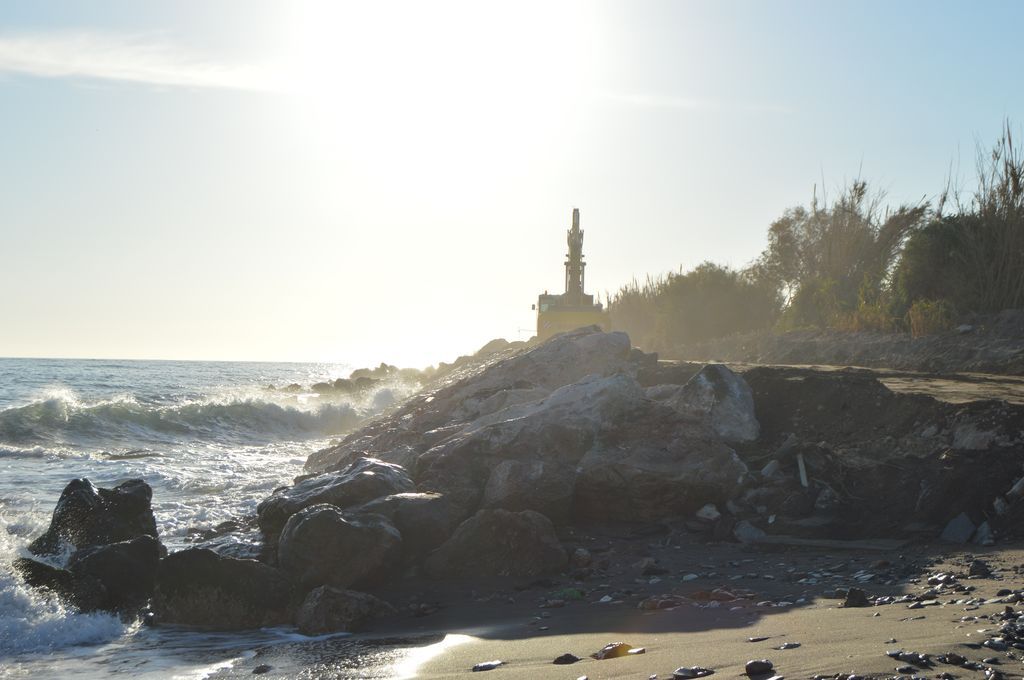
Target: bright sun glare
{"x":436,"y":98}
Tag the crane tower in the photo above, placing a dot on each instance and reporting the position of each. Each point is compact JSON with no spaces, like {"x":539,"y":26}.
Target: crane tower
{"x":573,"y":308}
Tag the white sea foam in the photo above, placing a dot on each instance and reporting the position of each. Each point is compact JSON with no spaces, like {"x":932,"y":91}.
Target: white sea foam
{"x":31,"y":621}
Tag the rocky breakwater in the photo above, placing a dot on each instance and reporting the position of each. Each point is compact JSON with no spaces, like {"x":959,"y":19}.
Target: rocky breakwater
{"x":470,"y":479}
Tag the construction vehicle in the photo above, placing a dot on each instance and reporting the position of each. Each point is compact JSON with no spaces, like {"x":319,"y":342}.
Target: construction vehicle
{"x":573,"y":308}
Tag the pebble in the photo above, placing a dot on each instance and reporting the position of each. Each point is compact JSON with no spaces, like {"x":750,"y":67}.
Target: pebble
{"x":612,"y":650}
{"x":979,"y":568}
{"x":855,"y":597}
{"x":788,"y":645}
{"x":487,"y":665}
{"x":261,"y":669}
{"x":566,"y":659}
{"x":952,"y":658}
{"x":581,"y":557}
{"x":757,"y":639}
{"x":759,"y":667}
{"x":686,"y":673}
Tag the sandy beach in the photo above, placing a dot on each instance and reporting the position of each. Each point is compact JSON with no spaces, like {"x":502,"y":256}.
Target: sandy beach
{"x":784,"y":594}
{"x":832,"y":639}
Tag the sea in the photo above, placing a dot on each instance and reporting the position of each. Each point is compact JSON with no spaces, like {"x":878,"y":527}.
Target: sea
{"x":212,"y":438}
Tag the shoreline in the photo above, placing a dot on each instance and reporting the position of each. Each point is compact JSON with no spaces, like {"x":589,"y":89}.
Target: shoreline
{"x":476,"y":626}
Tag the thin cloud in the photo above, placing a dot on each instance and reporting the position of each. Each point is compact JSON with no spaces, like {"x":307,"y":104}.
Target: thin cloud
{"x":130,"y":58}
{"x":662,"y":101}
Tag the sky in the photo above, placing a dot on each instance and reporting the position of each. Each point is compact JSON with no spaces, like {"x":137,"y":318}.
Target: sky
{"x":392,"y":181}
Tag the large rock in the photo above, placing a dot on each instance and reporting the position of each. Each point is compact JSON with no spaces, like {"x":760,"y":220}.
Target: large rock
{"x":499,"y":543}
{"x":722,"y":400}
{"x":362,"y":481}
{"x":86,"y":516}
{"x":122,"y":575}
{"x":198,"y":587}
{"x":483,"y":390}
{"x":959,"y":529}
{"x":425,"y":520}
{"x":321,"y":545}
{"x":333,"y":610}
{"x":556,"y":431}
{"x":661,"y":476}
{"x":546,"y":487}
{"x":60,"y":582}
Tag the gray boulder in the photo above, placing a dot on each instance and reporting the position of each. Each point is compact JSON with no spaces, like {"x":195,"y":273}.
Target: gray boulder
{"x":499,"y":543}
{"x":544,"y":486}
{"x":327,"y":609}
{"x":321,"y":545}
{"x":719,"y":398}
{"x":658,"y":476}
{"x":555,"y":432}
{"x":958,"y":530}
{"x":484,"y":389}
{"x":87,"y":515}
{"x":363,"y":480}
{"x":198,"y":587}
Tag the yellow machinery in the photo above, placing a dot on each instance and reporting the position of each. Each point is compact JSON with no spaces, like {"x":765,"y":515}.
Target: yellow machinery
{"x":573,"y":308}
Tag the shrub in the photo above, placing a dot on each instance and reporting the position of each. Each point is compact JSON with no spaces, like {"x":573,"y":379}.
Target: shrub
{"x":930,"y":316}
{"x":707,"y":302}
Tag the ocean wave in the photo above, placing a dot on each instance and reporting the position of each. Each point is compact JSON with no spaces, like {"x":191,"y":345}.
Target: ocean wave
{"x":31,"y":621}
{"x":62,"y":419}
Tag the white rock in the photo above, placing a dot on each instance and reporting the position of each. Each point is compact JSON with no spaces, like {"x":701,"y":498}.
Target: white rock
{"x":709,"y":512}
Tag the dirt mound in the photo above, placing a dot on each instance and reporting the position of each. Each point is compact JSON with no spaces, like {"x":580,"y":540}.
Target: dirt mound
{"x":877,"y":462}
{"x":989,"y":344}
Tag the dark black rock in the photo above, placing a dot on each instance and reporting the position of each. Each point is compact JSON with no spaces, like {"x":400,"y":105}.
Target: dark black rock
{"x":321,"y":545}
{"x":425,"y":520}
{"x":689,"y":672}
{"x":261,"y":669}
{"x":855,"y":597}
{"x":87,"y":516}
{"x":122,"y":575}
{"x":979,"y":568}
{"x":759,"y":667}
{"x":61,"y":582}
{"x":566,"y":659}
{"x":198,"y":587}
